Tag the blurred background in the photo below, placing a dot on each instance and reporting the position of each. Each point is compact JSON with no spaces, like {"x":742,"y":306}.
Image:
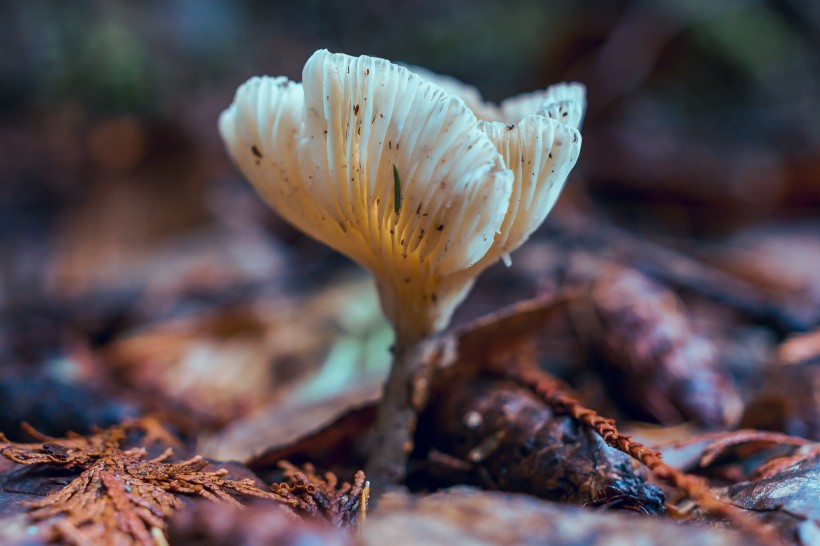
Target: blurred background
{"x":126,"y":235}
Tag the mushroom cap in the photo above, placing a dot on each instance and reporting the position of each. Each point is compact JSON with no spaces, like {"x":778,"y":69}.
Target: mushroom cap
{"x":393,"y":171}
{"x":571,"y":96}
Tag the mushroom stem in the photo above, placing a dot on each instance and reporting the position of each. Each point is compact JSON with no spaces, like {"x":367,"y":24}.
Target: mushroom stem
{"x":404,"y":395}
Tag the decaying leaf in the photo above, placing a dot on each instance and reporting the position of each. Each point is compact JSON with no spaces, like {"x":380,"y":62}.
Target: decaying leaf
{"x":287,"y":422}
{"x":744,"y":458}
{"x":340,"y":442}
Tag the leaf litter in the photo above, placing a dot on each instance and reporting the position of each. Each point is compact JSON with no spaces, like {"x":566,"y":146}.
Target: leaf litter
{"x":123,"y":495}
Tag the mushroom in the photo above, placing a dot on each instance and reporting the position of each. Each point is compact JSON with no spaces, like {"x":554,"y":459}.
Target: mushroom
{"x":391,"y":167}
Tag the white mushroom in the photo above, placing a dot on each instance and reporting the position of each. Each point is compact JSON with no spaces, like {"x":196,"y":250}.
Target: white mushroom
{"x":394,"y":170}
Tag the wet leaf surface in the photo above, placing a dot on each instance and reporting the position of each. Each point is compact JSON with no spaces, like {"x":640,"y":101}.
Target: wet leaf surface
{"x":788,"y":499}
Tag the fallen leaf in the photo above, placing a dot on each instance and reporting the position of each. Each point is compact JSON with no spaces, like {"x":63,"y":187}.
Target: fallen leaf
{"x":789,"y":500}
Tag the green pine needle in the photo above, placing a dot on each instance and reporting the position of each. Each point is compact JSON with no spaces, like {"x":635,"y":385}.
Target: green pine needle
{"x":396,"y":190}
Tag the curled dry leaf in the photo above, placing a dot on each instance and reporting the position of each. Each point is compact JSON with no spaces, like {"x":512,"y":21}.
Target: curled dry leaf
{"x":780,"y":464}
{"x":341,"y":442}
{"x":752,"y":440}
{"x":289,"y":423}
{"x":738,"y":455}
